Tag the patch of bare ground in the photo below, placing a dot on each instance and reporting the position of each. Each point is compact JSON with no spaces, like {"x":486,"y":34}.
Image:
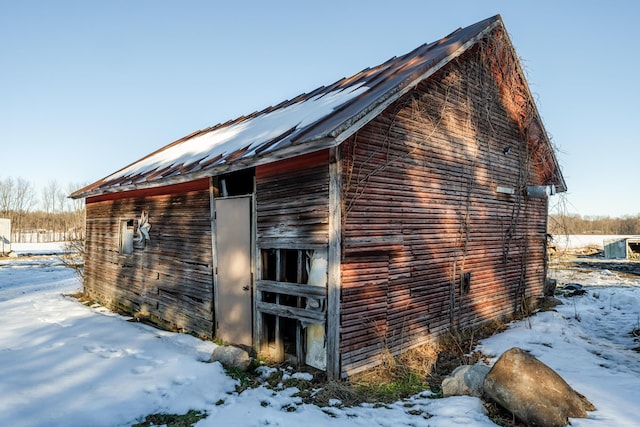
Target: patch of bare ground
{"x":592,"y":259}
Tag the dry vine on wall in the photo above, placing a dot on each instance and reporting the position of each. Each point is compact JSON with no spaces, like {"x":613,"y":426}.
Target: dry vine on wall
{"x":536,"y":155}
{"x":493,"y":65}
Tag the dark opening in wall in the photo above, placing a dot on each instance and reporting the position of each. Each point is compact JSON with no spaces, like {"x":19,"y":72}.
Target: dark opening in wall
{"x":290,"y":266}
{"x":290,"y":305}
{"x":269,"y":333}
{"x":634,"y":249}
{"x":270,"y":297}
{"x":285,"y":265}
{"x":282,"y":337}
{"x":290,"y":338}
{"x":269,"y":264}
{"x":291,"y":300}
{"x":238,"y":183}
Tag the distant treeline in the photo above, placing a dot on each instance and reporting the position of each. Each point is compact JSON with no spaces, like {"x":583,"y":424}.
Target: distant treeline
{"x":577,"y":224}
{"x":42,"y":227}
{"x":48,"y":215}
{"x":41,"y":216}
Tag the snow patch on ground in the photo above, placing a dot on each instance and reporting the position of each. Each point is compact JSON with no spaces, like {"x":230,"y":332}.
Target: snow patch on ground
{"x":30,"y":249}
{"x":575,"y":241}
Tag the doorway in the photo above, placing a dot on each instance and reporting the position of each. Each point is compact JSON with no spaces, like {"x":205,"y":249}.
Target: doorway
{"x":233,"y":273}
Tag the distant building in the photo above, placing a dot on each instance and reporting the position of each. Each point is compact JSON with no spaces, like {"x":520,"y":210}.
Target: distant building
{"x":622,"y":248}
{"x":5,"y":236}
{"x":371,"y":214}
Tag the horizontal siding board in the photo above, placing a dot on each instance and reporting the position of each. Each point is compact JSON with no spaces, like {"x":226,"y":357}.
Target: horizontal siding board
{"x":292,"y":312}
{"x":295,"y":289}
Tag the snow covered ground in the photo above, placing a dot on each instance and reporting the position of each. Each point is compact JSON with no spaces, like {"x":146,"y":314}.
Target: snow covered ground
{"x":573,"y":241}
{"x":65,"y":364}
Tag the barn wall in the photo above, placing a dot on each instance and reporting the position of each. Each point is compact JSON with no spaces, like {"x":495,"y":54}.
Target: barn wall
{"x":169,"y":278}
{"x":421,"y":209}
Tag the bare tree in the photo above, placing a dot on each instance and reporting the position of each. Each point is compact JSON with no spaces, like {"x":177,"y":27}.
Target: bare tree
{"x":76,"y":207}
{"x":50,"y":196}
{"x":50,"y":199}
{"x":74,"y":248}
{"x":6,"y":196}
{"x":16,"y":199}
{"x":24,"y":196}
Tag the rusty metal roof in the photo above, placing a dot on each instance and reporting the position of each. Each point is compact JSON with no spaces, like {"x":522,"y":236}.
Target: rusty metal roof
{"x":310,"y":122}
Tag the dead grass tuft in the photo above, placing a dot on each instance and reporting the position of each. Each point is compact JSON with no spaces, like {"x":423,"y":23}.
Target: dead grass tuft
{"x":82,"y":297}
{"x":421,"y":359}
{"x":456,"y":348}
{"x":397,"y":377}
{"x":501,"y":416}
{"x":335,"y":390}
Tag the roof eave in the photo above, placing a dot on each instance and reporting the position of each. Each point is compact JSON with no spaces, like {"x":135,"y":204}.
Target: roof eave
{"x":244,"y":163}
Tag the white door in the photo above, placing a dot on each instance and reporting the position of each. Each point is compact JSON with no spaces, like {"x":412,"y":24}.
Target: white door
{"x":233,"y":250}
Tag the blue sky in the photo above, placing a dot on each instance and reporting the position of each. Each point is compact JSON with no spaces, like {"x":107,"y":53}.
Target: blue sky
{"x":88,"y":87}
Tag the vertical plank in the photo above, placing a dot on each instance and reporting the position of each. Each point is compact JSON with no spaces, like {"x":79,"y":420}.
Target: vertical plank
{"x":257,"y":274}
{"x":279,"y":350}
{"x":214,"y":255}
{"x":334,"y":256}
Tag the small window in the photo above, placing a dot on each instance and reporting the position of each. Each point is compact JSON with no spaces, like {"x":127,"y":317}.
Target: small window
{"x":127,"y":233}
{"x":134,"y":233}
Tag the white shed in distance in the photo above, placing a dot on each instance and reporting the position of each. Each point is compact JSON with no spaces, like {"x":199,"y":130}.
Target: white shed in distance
{"x":622,"y":248}
{"x":5,"y":236}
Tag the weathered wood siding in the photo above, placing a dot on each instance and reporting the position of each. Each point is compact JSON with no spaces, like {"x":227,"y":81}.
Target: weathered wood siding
{"x":421,"y":209}
{"x":170,"y":279}
{"x":292,"y":213}
{"x":292,"y":203}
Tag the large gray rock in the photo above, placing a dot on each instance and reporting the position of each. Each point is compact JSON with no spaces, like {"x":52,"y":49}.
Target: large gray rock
{"x":465,"y":380}
{"x":533,"y":392}
{"x":231,"y":357}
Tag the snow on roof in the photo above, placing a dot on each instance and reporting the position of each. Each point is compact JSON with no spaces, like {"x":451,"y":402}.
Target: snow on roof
{"x":245,"y":136}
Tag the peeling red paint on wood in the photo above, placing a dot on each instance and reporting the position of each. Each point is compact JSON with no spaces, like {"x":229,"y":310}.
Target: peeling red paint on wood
{"x":200,"y":184}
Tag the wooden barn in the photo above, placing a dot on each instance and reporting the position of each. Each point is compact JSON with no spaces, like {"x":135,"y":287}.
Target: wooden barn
{"x":374,"y":213}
